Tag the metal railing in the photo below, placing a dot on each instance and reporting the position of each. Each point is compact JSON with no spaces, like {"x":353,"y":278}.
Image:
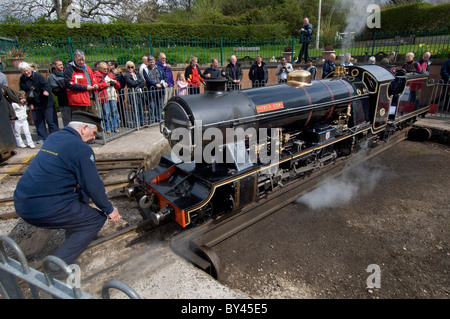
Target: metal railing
{"x":440,"y":102}
{"x":179,"y":49}
{"x":19,"y":281}
{"x":135,"y":109}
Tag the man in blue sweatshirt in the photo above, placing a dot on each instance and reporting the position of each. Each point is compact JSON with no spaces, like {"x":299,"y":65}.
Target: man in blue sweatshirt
{"x":54,"y":191}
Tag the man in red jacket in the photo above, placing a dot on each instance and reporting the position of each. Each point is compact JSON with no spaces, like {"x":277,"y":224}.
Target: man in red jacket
{"x":80,"y":84}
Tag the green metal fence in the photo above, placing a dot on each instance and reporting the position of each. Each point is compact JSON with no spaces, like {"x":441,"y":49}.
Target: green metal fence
{"x":178,"y":49}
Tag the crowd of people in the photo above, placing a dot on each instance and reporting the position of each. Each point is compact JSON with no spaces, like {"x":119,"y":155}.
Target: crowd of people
{"x":78,"y":88}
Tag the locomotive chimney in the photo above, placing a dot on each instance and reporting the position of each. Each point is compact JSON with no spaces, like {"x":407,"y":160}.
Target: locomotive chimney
{"x":215,"y":85}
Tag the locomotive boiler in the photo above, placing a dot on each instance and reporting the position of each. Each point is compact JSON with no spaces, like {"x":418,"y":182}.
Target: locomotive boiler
{"x":230,"y":148}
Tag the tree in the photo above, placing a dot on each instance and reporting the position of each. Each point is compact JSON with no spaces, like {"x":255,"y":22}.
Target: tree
{"x":32,"y":10}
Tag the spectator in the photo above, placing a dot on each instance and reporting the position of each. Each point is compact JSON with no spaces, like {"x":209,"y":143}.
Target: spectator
{"x":40,"y":101}
{"x":118,"y":73}
{"x":55,"y":190}
{"x":445,"y":92}
{"x":390,"y":60}
{"x":193,"y":75}
{"x":167,"y":68}
{"x":329,"y":65}
{"x":56,"y":81}
{"x":233,"y":73}
{"x":347,"y":60}
{"x":258,"y":73}
{"x":108,"y":97}
{"x":181,"y":84}
{"x":425,"y":62}
{"x":3,"y":79}
{"x":156,"y":81}
{"x":311,"y":68}
{"x":135,"y":84}
{"x":143,"y":66}
{"x":283,"y":69}
{"x":305,"y":39}
{"x":213,"y":71}
{"x":80,"y":84}
{"x":1,"y":65}
{"x":9,"y":96}
{"x":21,"y":124}
{"x":445,"y":71}
{"x":410,"y":65}
{"x":372,"y":60}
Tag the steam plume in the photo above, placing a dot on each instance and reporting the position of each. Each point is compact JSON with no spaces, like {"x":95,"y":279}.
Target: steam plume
{"x":356,"y":18}
{"x":339,"y":191}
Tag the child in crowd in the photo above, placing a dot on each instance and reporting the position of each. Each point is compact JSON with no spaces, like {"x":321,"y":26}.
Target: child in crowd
{"x":181,"y":84}
{"x":21,"y":124}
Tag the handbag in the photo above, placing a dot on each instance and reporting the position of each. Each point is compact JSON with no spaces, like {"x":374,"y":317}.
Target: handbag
{"x":31,"y":94}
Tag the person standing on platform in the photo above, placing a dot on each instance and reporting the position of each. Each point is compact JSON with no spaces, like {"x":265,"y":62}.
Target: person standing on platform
{"x":21,"y":124}
{"x":193,"y":76}
{"x":329,"y":65}
{"x":80,"y":84}
{"x":213,"y":72}
{"x":167,"y":68}
{"x":56,"y":81}
{"x":233,"y":73}
{"x":305,"y":39}
{"x":258,"y":73}
{"x":40,"y":101}
{"x":283,"y":69}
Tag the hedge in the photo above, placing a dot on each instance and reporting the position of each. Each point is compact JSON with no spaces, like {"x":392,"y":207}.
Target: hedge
{"x":415,"y":17}
{"x":39,"y":31}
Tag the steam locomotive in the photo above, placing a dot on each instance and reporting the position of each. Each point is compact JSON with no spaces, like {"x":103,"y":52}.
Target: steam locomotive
{"x":230,"y":148}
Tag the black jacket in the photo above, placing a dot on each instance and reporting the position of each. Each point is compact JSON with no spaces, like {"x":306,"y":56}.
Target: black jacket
{"x":9,"y":96}
{"x":56,"y":81}
{"x":306,"y":35}
{"x":40,"y":84}
{"x":253,"y":74}
{"x":138,"y":83}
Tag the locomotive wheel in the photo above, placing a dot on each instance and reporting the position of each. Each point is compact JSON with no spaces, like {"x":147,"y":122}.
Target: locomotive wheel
{"x":202,"y":215}
{"x":207,"y":253}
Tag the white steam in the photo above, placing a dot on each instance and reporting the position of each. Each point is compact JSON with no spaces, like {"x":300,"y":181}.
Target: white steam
{"x":339,"y":191}
{"x":355,"y":17}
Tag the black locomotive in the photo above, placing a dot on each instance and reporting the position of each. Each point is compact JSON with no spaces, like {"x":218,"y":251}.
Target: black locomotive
{"x":232,"y":148}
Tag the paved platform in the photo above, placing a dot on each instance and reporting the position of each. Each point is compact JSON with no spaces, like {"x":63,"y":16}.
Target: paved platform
{"x":439,"y":126}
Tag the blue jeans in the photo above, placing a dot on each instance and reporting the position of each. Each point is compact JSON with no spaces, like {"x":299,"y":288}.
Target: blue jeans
{"x":42,"y":115}
{"x":110,"y":115}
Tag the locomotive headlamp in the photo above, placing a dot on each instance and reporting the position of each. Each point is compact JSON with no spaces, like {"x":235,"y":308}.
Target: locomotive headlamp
{"x":299,"y":78}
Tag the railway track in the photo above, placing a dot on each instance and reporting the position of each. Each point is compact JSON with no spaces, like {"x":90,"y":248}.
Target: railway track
{"x":104,"y":166}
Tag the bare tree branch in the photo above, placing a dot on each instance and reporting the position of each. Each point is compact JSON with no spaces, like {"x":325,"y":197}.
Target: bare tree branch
{"x":31,"y":10}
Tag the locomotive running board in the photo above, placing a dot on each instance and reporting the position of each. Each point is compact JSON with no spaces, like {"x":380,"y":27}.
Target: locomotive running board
{"x":195,"y":245}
